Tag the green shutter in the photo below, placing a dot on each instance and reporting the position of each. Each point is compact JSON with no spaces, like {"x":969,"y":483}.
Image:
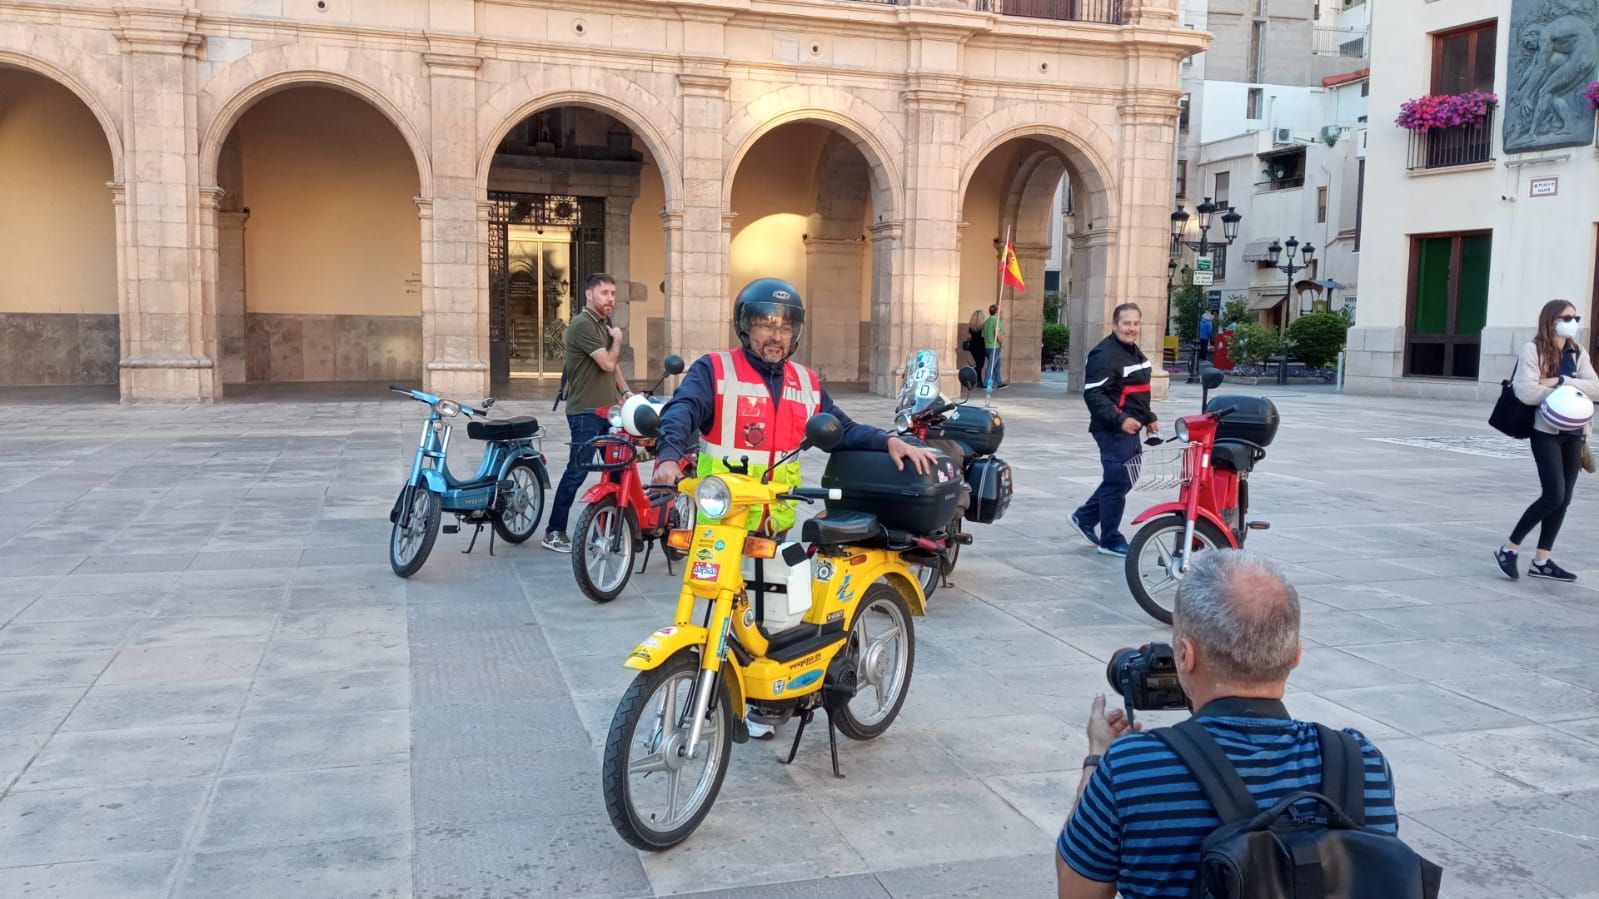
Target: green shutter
{"x":1471,"y":306}
{"x":1432,"y":286}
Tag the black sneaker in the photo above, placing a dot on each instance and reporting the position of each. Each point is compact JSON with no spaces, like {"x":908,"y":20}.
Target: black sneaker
{"x":1507,"y":563}
{"x":1085,"y":530}
{"x":1550,"y":571}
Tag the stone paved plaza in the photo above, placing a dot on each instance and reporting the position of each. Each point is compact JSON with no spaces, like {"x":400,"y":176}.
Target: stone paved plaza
{"x":212,"y":685}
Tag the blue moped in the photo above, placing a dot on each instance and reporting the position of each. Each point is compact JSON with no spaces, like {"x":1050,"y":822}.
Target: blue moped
{"x":507,"y":493}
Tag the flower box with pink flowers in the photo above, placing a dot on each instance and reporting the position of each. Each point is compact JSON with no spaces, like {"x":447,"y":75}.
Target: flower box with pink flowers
{"x":1436,"y":111}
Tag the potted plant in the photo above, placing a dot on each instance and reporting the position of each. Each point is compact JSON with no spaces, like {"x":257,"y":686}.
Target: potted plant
{"x":1436,"y":111}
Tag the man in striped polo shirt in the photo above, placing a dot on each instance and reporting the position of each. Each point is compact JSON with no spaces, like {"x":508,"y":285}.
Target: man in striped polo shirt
{"x":1140,"y":816}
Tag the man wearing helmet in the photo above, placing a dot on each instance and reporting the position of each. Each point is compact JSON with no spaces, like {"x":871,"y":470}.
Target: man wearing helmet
{"x":753,"y":402}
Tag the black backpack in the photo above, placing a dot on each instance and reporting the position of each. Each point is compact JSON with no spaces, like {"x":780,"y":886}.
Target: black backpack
{"x":1281,"y":854}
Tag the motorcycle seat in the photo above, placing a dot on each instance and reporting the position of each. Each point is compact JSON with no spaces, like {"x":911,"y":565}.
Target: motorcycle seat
{"x":1236,"y":455}
{"x":841,"y":528}
{"x":519,"y":428}
{"x":953,"y":448}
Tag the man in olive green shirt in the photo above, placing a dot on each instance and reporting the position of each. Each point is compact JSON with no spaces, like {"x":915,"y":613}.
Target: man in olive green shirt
{"x":593,"y":381}
{"x":994,"y":341}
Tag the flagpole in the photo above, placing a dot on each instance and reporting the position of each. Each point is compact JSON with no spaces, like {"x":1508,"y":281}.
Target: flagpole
{"x":999,"y":299}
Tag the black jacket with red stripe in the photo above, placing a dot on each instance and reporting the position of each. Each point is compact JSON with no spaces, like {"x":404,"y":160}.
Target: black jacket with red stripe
{"x":1116,"y":385}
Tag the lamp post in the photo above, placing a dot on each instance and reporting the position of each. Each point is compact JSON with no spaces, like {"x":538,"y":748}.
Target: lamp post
{"x":1230,"y":220}
{"x":1307,"y":255}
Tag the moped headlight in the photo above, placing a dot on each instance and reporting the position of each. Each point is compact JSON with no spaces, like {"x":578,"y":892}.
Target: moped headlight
{"x":449,"y":408}
{"x":713,"y":497}
{"x":1182,"y":430}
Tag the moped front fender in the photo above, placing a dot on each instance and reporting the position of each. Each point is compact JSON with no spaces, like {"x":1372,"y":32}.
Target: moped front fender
{"x":600,"y":491}
{"x":673,"y":639}
{"x":532,"y":459}
{"x":1181,"y":511}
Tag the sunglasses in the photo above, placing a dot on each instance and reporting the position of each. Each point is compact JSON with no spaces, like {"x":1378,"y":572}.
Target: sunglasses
{"x":1569,"y":318}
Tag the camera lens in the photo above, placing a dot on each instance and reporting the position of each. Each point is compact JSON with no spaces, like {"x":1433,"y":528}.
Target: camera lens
{"x":1114,"y":671}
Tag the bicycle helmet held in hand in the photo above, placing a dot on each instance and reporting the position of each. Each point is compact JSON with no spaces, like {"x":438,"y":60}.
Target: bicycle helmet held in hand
{"x":1566,"y":409}
{"x":769,"y":299}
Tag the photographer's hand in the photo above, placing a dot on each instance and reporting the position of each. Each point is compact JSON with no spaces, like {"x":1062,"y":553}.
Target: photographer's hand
{"x":1104,"y":727}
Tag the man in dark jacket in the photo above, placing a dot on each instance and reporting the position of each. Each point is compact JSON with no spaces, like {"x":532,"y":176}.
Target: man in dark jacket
{"x":1116,"y":389}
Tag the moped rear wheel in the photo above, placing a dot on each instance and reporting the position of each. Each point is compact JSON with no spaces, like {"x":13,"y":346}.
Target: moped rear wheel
{"x":411,"y":541}
{"x":602,"y":554}
{"x":523,"y":507}
{"x":1153,"y":573}
{"x":882,"y":648}
{"x":655,"y":795}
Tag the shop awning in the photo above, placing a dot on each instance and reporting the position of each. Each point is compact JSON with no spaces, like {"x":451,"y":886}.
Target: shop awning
{"x":1255,"y":250}
{"x":1263,"y":302}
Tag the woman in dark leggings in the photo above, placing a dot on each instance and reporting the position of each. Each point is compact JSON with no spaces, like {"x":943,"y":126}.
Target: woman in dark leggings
{"x":1549,"y":360}
{"x":974,"y":342}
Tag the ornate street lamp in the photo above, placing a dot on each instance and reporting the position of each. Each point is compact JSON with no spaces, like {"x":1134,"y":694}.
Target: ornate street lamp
{"x":1207,"y":209}
{"x":1274,"y":253}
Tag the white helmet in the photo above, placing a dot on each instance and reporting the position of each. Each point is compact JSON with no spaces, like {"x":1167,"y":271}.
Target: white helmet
{"x":1566,"y":408}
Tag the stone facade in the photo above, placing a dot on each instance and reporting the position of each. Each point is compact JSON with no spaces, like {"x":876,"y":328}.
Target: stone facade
{"x":41,"y":349}
{"x":924,"y":92}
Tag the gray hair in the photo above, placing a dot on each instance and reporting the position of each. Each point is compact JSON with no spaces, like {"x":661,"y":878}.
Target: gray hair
{"x":1239,"y":609}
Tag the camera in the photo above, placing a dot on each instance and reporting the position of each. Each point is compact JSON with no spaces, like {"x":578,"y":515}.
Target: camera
{"x":1146,"y":678}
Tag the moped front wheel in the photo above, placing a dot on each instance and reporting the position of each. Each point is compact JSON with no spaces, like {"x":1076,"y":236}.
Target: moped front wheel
{"x":524,"y":504}
{"x":412,"y":537}
{"x":602,"y":554}
{"x":655,"y":794}
{"x":882,"y":650}
{"x":1156,"y":557}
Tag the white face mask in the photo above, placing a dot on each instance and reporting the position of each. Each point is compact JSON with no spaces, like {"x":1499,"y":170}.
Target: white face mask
{"x":1568,"y":330}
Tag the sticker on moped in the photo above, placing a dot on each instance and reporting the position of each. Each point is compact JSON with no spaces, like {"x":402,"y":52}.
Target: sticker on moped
{"x":805,"y":680}
{"x":667,"y":631}
{"x":824,"y":571}
{"x":721,"y":545}
{"x":705,"y":571}
{"x":652,"y":642}
{"x":749,"y":617}
{"x":704,"y":555}
{"x":844,"y":592}
{"x":779,"y":685}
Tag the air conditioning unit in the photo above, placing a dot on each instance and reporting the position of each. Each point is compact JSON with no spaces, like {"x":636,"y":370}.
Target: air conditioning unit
{"x":1282,"y":136}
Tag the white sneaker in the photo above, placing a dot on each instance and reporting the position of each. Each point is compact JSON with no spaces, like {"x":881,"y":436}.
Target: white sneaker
{"x":759,"y":731}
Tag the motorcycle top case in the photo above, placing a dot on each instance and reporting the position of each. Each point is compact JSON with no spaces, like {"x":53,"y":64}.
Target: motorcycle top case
{"x":990,"y":479}
{"x":980,"y":429}
{"x":902,"y":500}
{"x":1254,"y":418}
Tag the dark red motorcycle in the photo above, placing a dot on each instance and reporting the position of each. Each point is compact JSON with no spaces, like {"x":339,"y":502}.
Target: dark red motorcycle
{"x":1210,"y":469}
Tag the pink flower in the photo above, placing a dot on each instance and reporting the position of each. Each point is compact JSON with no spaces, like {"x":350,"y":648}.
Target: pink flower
{"x":1592,"y":93}
{"x":1445,"y":110}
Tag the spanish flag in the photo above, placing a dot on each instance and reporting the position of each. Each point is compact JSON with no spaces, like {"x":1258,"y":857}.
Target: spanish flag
{"x":1011,"y":267}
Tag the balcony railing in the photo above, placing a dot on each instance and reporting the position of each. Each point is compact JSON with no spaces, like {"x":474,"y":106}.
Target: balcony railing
{"x":1460,"y":145}
{"x":1106,"y":12}
{"x":1346,"y":42}
{"x":1280,"y":184}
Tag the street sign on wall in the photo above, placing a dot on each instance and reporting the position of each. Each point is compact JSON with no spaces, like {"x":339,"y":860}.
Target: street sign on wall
{"x":1204,"y":275}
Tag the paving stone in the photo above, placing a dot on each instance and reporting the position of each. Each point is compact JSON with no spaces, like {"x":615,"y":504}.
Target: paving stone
{"x":311,"y":740}
{"x":188,"y":602}
{"x":26,"y":670}
{"x":753,"y":842}
{"x":576,"y":856}
{"x":98,"y":563}
{"x":127,"y":757}
{"x":186,"y":662}
{"x":1470,"y":873}
{"x":16,"y":753}
{"x":292,"y":808}
{"x":858,"y":886}
{"x":204,"y":629}
{"x":285,"y":656}
{"x":1011,"y":744}
{"x":1032,"y":875}
{"x":1542,"y":839}
{"x":1422,"y":708}
{"x":531,"y":725}
{"x":910,"y":826}
{"x":1427,"y":776}
{"x":137,"y":877}
{"x":36,"y":711}
{"x":386,"y":621}
{"x":1551,"y":761}
{"x":84,"y":824}
{"x":66,"y":636}
{"x":114,"y":706}
{"x":1435,"y":660}
{"x":337,"y":691}
{"x":91,"y":607}
{"x":371,"y":867}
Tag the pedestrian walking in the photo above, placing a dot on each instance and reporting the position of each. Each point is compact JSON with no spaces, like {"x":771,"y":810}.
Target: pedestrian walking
{"x":1207,"y":329}
{"x":1116,"y":389}
{"x":974,"y":343}
{"x":1555,"y":374}
{"x":993,"y":344}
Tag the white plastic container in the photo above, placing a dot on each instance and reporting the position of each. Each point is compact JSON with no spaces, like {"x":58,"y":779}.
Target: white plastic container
{"x":782,"y":611}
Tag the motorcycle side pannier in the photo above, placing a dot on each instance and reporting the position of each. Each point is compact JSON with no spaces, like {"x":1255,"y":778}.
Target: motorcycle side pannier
{"x":990,"y":480}
{"x":980,"y":429}
{"x":903,"y":500}
{"x":1254,"y":418}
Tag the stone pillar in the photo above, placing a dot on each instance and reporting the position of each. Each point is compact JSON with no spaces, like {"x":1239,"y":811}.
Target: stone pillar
{"x":1148,"y":135}
{"x":1024,"y":342}
{"x":922,"y":309}
{"x":698,"y":299}
{"x":620,"y":193}
{"x":1088,"y":316}
{"x":168,"y":330}
{"x":453,"y":221}
{"x":659,"y":346}
{"x":225,"y":282}
{"x":883,"y":369}
{"x":833,"y":314}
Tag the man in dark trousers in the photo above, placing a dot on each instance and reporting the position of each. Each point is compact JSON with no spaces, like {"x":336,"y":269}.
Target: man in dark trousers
{"x":1116,"y":389}
{"x":593,"y":380}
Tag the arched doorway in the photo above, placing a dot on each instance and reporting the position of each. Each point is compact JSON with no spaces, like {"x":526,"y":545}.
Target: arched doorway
{"x":803,"y":206}
{"x":1043,"y":193}
{"x":59,"y":316}
{"x":573,"y":191}
{"x":319,"y":260}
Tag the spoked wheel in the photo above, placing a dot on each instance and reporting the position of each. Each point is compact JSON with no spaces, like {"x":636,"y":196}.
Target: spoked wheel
{"x":655,"y":794}
{"x":523,"y":507}
{"x":602,"y":554}
{"x":411,"y":541}
{"x":929,"y":576}
{"x":1153,"y":569}
{"x":882,"y":645}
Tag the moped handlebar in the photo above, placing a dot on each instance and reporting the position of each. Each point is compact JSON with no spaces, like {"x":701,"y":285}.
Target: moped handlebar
{"x":812,"y":494}
{"x":398,"y":389}
{"x":1223,"y":413}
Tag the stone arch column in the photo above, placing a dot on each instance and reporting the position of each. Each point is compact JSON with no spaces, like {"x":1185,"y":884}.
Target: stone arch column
{"x":1148,"y":125}
{"x":835,"y":258}
{"x":1028,"y":205}
{"x":453,"y":220}
{"x":698,"y":302}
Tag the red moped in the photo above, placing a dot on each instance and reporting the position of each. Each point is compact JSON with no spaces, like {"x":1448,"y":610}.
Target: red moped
{"x":1219,"y":447}
{"x":623,"y":514}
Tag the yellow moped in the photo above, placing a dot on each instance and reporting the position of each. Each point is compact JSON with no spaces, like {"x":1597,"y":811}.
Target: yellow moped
{"x":851,"y":653}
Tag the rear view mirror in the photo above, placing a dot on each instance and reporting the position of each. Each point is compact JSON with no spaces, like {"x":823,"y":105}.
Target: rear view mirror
{"x":674,"y":364}
{"x":824,"y":432}
{"x":968,"y":376}
{"x":646,"y":421}
{"x":1211,"y":377}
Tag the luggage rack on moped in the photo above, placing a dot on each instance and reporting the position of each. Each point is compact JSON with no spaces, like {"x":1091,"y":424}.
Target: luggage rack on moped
{"x":1162,"y":468}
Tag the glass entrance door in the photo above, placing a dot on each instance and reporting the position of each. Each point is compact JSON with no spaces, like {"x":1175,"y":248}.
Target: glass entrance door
{"x":538,"y":298}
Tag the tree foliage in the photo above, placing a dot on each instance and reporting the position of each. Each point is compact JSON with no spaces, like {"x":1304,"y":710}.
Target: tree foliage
{"x":1057,"y":338}
{"x":1236,"y":310}
{"x":1318,"y":338}
{"x":1188,"y":304}
{"x":1252,"y":344}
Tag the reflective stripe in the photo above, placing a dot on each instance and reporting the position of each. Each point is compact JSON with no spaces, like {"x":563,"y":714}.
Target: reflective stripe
{"x":1100,"y":383}
{"x":1134,"y":368}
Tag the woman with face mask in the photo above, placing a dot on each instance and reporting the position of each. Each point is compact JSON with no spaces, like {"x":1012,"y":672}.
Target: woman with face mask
{"x":1554,"y":358}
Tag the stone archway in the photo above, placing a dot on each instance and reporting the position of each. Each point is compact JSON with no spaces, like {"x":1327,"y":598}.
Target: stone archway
{"x":60,"y":294}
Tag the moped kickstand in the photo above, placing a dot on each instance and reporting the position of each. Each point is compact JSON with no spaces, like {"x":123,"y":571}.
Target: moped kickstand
{"x":476,"y":531}
{"x":832,"y":739}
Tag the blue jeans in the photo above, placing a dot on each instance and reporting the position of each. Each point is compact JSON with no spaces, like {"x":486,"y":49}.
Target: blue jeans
{"x":993,"y":367}
{"x":1104,"y":508}
{"x":584,"y":427}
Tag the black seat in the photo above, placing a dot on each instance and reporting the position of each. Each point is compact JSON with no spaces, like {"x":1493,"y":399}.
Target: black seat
{"x":519,"y":428}
{"x":1236,"y":455}
{"x":953,"y":448}
{"x":841,"y":528}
